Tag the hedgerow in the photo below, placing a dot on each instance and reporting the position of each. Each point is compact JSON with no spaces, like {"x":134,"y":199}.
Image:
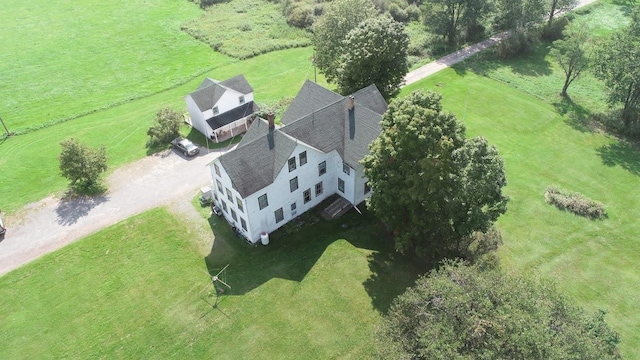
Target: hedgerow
{"x":575,"y":203}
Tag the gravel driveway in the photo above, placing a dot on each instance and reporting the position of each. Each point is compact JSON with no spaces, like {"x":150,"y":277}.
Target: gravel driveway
{"x":52,"y":223}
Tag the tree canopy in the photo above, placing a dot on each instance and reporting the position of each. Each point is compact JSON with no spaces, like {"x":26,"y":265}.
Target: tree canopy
{"x":339,"y":18}
{"x":166,"y":127}
{"x":617,"y":63}
{"x":374,"y":52}
{"x":463,"y":312}
{"x":571,"y":53}
{"x":432,"y":187}
{"x":81,"y":164}
{"x":450,"y":18}
{"x":517,"y":14}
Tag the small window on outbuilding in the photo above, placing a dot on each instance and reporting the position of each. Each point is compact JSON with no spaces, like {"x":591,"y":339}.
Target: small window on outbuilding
{"x":215,"y":110}
{"x":241,"y":99}
{"x":263,"y":202}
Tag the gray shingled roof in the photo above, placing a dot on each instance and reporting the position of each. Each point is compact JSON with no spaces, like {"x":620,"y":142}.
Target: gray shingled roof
{"x":255,"y":165}
{"x":311,"y":97}
{"x":207,"y":97}
{"x":371,"y":98}
{"x":210,"y":91}
{"x":239,"y":84}
{"x":233,"y":115}
{"x":262,"y":153}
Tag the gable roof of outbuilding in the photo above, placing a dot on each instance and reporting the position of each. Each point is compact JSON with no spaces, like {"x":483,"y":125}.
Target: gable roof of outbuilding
{"x":210,"y":91}
{"x":263,"y":152}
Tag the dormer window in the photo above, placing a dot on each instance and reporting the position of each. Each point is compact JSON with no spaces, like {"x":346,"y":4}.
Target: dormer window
{"x":241,"y":99}
{"x":215,"y":110}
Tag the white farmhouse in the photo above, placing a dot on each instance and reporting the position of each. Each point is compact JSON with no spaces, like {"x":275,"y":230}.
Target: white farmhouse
{"x":221,"y":110}
{"x":276,"y":174}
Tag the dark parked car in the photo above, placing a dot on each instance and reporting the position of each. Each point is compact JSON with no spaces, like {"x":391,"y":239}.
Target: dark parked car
{"x":2,"y":228}
{"x":185,"y":146}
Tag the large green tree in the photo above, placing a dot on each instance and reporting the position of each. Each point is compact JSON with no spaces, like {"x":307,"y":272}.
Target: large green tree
{"x":81,"y":164}
{"x":339,"y":18}
{"x":375,"y":52}
{"x":517,"y":15}
{"x":559,"y":6}
{"x":462,"y":312}
{"x":617,"y":63}
{"x":432,"y":187}
{"x":571,"y":53}
{"x":451,"y":18}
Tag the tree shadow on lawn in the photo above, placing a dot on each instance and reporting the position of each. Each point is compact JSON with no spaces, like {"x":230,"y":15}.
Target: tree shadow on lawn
{"x":533,"y":64}
{"x":622,"y":154}
{"x":576,"y":115}
{"x":291,"y":255}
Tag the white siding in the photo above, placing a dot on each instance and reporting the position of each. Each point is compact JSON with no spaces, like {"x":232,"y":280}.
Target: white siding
{"x":279,"y":194}
{"x":197,"y":117}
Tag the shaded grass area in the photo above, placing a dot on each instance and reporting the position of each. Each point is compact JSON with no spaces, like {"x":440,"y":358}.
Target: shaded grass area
{"x":594,"y":262}
{"x":246,"y":28}
{"x":141,"y":289}
{"x":29,"y":162}
{"x":58,"y":61}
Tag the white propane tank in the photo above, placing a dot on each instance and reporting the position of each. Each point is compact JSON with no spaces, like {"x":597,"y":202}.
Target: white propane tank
{"x":264,"y":238}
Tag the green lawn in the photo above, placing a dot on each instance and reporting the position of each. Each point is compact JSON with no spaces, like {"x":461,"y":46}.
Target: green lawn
{"x":140,"y":289}
{"x":246,"y":28}
{"x":29,"y":162}
{"x":595,"y":262}
{"x":61,"y":60}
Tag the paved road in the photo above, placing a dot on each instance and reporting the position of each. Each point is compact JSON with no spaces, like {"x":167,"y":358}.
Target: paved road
{"x":157,"y":180}
{"x":50,"y":224}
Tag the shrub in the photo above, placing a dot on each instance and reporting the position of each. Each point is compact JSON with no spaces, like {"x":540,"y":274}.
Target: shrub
{"x":554,"y":31}
{"x":166,"y":128}
{"x":398,"y":13}
{"x":475,"y":246}
{"x":575,"y":203}
{"x":413,"y":12}
{"x":520,"y":43}
{"x":475,"y":33}
{"x":301,"y":16}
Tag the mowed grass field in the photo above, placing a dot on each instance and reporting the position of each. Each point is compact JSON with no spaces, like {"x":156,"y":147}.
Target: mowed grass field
{"x":135,"y":288}
{"x":594,"y":262}
{"x":29,"y":162}
{"x":140,"y":289}
{"x":59,"y":60}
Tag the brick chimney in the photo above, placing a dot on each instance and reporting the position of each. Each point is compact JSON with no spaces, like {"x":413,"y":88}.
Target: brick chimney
{"x":271,"y":119}
{"x":352,"y":102}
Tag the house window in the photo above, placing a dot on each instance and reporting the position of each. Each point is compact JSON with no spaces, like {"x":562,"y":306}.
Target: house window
{"x":367,"y":188}
{"x":217,"y":169}
{"x":219,"y":187}
{"x":341,"y":185}
{"x":293,"y":207}
{"x":239,"y":203}
{"x":292,"y":164}
{"x":279,"y":215}
{"x":243,"y":224}
{"x":293,"y":184}
{"x":319,"y":188}
{"x":307,"y":195}
{"x":346,"y":169}
{"x":229,"y":196}
{"x":233,"y":215}
{"x":224,"y":206}
{"x":303,"y":158}
{"x":263,"y":202}
{"x":322,"y":168}
{"x":241,"y":99}
{"x":215,"y":110}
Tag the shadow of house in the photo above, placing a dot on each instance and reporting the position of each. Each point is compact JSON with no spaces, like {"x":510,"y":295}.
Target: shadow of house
{"x":622,"y":154}
{"x":71,"y":209}
{"x":293,"y":253}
